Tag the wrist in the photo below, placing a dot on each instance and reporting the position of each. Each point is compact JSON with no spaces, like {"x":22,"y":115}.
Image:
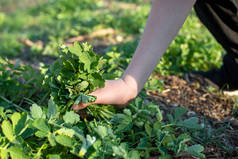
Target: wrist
{"x":132,"y":86}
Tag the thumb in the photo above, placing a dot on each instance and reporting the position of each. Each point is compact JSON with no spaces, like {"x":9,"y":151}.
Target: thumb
{"x":84,"y":105}
{"x":80,"y":106}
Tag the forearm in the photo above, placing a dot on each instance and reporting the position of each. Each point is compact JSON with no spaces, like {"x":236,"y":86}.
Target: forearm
{"x":165,"y":20}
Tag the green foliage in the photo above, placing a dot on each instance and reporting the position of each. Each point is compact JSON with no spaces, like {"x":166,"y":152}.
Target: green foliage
{"x":137,"y":132}
{"x":56,"y":132}
{"x":196,"y":151}
{"x":18,"y":83}
{"x":27,"y":135}
{"x":77,"y":72}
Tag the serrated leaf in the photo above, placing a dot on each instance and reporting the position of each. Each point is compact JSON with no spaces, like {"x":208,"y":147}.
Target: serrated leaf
{"x":196,"y":150}
{"x":36,"y":111}
{"x":65,"y":140}
{"x":41,"y":124}
{"x":71,"y":117}
{"x":83,"y":85}
{"x":7,"y":130}
{"x":52,"y":111}
{"x":66,"y":131}
{"x":75,"y":49}
{"x":87,"y":47}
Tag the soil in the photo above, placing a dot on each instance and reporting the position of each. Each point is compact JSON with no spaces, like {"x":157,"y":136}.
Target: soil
{"x":213,"y":108}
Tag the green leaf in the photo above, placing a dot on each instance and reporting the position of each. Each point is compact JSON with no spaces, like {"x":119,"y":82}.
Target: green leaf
{"x":36,"y":111}
{"x":102,"y":131}
{"x":148,"y":129}
{"x":191,"y":123}
{"x":159,"y":115}
{"x":134,"y":154}
{"x":178,"y":112}
{"x":41,"y":124}
{"x":66,"y":131}
{"x":51,"y":138}
{"x":85,"y":99}
{"x":17,"y":153}
{"x":165,"y":156}
{"x":41,"y":134}
{"x":181,"y":140}
{"x":196,"y":150}
{"x":4,"y":154}
{"x":86,"y":60}
{"x":83,"y":85}
{"x":19,"y":122}
{"x":125,"y":123}
{"x":127,"y":112}
{"x":54,"y":156}
{"x":121,"y":150}
{"x":71,"y":117}
{"x":88,"y":142}
{"x":65,"y":141}
{"x":7,"y":130}
{"x":97,"y":80}
{"x":75,"y":49}
{"x":15,"y":118}
{"x":52,"y":111}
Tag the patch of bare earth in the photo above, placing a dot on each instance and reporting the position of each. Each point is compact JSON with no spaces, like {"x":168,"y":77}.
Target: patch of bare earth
{"x":215,"y":108}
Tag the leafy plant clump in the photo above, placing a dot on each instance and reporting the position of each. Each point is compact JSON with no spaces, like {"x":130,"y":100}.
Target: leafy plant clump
{"x":77,"y":72}
{"x":57,"y":132}
{"x":137,"y":132}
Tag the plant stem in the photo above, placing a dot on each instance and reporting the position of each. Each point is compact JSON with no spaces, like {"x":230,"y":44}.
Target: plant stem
{"x":10,"y":102}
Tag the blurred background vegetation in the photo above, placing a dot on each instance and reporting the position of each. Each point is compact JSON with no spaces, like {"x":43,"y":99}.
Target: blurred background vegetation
{"x":32,"y":30}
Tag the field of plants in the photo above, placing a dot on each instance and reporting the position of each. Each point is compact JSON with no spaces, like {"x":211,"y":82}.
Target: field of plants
{"x":55,"y":52}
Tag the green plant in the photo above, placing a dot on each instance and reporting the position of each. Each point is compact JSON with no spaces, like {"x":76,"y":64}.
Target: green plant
{"x":19,"y":83}
{"x":76,"y":73}
{"x":137,"y":132}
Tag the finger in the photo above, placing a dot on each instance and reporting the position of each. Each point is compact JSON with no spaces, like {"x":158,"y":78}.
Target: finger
{"x":83,"y":106}
{"x":79,"y":107}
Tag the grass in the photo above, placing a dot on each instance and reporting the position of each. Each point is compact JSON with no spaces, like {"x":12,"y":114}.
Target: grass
{"x":56,"y":21}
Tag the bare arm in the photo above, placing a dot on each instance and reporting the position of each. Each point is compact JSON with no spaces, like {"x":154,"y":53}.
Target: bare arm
{"x":165,"y":20}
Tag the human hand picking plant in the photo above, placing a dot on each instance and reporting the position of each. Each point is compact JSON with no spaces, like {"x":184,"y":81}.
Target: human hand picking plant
{"x":165,"y":20}
{"x":116,"y":92}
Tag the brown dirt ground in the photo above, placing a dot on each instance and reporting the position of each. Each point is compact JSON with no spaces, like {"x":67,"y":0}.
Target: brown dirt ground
{"x":213,"y":107}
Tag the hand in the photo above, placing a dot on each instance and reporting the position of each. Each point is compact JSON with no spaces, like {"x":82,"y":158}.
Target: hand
{"x":116,"y":92}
